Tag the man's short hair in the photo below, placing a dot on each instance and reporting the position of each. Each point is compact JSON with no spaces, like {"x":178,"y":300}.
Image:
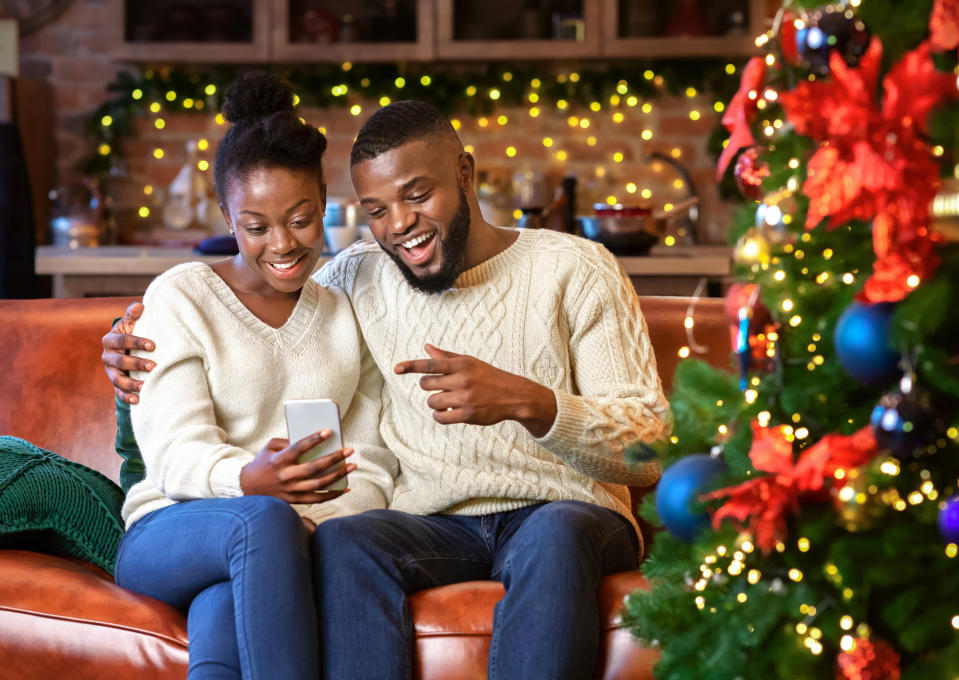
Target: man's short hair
{"x":395,"y":125}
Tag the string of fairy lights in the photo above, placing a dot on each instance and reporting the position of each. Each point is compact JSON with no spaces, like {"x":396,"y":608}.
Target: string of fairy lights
{"x":492,"y":99}
{"x":728,"y":569}
{"x":720,"y":563}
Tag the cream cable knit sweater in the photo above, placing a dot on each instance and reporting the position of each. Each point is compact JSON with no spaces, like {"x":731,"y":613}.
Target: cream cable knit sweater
{"x":216,"y":395}
{"x":555,"y":308}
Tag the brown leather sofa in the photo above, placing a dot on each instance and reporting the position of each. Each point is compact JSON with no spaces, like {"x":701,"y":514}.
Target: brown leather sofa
{"x":63,"y":618}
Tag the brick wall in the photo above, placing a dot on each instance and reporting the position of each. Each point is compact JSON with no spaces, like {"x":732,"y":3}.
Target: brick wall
{"x":72,"y":54}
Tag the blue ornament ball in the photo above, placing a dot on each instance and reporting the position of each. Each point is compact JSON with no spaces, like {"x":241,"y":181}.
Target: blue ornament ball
{"x":862,"y":343}
{"x":906,"y":423}
{"x":677,"y":493}
{"x":831,"y":28}
{"x":949,"y":520}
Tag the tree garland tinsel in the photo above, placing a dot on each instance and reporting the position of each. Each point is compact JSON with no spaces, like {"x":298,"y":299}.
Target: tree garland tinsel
{"x":456,"y":89}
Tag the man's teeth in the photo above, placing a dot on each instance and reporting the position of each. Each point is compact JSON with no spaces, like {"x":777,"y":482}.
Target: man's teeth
{"x":416,"y":241}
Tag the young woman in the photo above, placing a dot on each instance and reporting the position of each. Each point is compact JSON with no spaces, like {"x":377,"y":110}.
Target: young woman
{"x":216,"y":527}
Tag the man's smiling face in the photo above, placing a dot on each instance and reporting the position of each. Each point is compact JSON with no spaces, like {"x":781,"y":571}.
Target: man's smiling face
{"x":416,"y":201}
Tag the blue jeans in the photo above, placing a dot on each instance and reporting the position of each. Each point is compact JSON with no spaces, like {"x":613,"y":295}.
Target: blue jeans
{"x":550,"y":558}
{"x":240,"y":568}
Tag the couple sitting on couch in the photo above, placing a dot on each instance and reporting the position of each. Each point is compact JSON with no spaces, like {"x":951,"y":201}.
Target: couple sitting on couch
{"x":499,"y":454}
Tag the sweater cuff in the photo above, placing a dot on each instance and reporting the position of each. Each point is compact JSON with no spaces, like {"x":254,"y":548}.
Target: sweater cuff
{"x":567,"y":430}
{"x":225,"y":478}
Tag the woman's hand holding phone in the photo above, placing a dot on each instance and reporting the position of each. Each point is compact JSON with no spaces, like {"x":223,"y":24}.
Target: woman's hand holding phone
{"x":275,"y":471}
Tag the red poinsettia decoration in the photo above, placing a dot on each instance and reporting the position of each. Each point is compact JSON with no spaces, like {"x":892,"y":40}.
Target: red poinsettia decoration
{"x":761,"y":505}
{"x":944,"y":25}
{"x":742,"y":109}
{"x":869,"y":659}
{"x":873,"y":162}
{"x":890,"y":280}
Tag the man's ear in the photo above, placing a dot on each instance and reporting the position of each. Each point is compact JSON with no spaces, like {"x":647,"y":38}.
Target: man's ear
{"x":466,"y":169}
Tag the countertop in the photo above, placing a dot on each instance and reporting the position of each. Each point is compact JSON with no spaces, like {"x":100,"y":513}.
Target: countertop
{"x":698,"y":260}
{"x":128,"y":270}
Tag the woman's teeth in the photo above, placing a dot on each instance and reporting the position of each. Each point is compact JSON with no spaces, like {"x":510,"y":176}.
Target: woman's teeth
{"x":286,"y":265}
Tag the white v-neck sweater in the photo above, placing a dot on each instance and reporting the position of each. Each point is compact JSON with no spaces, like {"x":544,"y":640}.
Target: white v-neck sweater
{"x":222,"y":376}
{"x":554,"y":308}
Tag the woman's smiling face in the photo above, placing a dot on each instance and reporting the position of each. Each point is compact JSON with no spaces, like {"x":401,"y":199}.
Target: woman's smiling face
{"x":277,"y":215}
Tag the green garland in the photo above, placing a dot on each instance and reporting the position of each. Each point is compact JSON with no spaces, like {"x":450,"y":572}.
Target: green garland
{"x":454,"y":90}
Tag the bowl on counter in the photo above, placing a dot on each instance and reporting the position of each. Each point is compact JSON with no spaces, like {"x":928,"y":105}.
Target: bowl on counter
{"x":631,"y":230}
{"x":623,"y":230}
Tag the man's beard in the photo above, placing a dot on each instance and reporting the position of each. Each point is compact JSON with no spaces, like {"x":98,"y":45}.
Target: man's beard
{"x":453,"y":252}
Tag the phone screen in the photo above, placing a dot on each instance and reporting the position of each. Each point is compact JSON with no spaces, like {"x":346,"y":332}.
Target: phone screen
{"x":306,"y":416}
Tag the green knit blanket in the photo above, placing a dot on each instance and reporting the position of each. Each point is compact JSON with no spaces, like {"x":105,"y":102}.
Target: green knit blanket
{"x":54,"y":505}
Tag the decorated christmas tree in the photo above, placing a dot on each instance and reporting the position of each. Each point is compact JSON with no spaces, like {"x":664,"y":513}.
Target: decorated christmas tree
{"x":810,"y":494}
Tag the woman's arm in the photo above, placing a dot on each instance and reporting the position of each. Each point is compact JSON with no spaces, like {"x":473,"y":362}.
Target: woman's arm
{"x":186,"y":452}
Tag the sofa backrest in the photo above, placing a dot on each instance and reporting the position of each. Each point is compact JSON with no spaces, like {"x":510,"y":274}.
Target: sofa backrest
{"x":54,"y":392}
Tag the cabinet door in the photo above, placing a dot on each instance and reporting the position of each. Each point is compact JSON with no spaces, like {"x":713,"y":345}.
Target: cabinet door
{"x":184,"y":30}
{"x":682,"y":28}
{"x":355,"y":30}
{"x":517,"y":29}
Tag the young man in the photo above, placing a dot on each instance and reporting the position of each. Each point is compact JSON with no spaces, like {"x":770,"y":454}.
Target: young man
{"x":509,"y":432}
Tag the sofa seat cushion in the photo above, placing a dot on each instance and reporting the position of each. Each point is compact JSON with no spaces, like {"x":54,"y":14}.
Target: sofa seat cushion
{"x":62,"y":618}
{"x":453,"y":626}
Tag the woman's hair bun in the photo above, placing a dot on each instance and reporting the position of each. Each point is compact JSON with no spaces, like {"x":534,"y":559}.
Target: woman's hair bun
{"x":257,"y":94}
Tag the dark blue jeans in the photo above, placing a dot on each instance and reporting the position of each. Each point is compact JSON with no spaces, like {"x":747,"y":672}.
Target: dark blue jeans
{"x":550,"y":558}
{"x":240,"y":568}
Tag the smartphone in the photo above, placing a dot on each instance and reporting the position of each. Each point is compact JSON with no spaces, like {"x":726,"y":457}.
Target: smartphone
{"x":306,"y":416}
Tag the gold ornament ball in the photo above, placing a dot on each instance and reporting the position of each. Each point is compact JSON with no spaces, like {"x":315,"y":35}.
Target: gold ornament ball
{"x":752,"y":248}
{"x":856,"y":508}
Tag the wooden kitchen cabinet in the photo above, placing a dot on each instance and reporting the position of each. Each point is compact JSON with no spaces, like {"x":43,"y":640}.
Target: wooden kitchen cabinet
{"x":650,"y":29}
{"x":215,"y":31}
{"x":494,"y":30}
{"x":287,"y":31}
{"x":362,"y":30}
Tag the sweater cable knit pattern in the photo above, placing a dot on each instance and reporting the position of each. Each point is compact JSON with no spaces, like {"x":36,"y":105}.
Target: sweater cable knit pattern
{"x":554,"y":308}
